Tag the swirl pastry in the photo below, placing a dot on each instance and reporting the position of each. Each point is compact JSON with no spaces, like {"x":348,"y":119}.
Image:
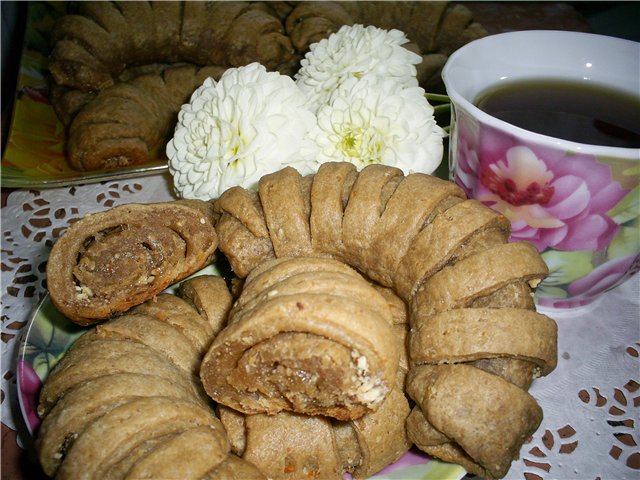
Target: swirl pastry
{"x":109,"y":261}
{"x":474,"y":333}
{"x":122,"y":404}
{"x":307,"y":335}
{"x":356,"y":289}
{"x":128,"y":122}
{"x":289,"y":445}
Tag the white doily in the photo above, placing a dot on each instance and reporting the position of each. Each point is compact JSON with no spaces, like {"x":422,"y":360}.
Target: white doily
{"x":591,"y":402}
{"x":31,"y":221}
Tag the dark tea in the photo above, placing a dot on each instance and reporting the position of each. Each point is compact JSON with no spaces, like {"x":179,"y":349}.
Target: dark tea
{"x":576,"y":111}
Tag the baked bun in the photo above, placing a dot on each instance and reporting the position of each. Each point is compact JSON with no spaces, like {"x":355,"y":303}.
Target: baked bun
{"x":475,"y":339}
{"x":358,"y":293}
{"x":310,"y":315}
{"x":110,"y":261}
{"x":124,"y":402}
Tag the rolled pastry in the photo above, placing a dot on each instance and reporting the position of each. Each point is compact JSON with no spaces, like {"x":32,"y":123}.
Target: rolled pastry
{"x":290,"y":446}
{"x":110,"y":261}
{"x":445,"y":256}
{"x":503,"y":417}
{"x":90,"y":400}
{"x":125,"y":427}
{"x":319,"y":351}
{"x":130,"y":122}
{"x":242,"y":230}
{"x":92,"y":47}
{"x":124,"y":402}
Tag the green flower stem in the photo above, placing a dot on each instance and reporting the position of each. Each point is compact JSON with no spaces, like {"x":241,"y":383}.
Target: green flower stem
{"x":437,"y":97}
{"x":438,"y":109}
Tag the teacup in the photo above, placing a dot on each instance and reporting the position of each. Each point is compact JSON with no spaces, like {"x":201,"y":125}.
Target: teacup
{"x":578,"y":203}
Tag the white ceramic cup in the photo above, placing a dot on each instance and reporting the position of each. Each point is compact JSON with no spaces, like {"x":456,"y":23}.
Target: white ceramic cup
{"x":584,"y":214}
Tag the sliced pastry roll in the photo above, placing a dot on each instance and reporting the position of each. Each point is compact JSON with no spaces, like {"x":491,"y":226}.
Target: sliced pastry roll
{"x":315,"y":349}
{"x":110,"y":261}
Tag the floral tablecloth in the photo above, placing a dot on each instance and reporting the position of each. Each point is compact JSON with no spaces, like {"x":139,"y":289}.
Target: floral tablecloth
{"x":591,"y":402}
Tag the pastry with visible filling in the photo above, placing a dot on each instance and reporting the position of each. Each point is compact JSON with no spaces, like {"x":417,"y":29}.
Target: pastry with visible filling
{"x":110,"y":261}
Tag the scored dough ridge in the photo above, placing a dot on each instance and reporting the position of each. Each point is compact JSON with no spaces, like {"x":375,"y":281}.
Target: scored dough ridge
{"x":450,"y":253}
{"x":416,"y":291}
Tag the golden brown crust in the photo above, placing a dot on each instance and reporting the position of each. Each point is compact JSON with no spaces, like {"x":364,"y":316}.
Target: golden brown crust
{"x":242,"y":230}
{"x":288,"y":445}
{"x":337,"y":336}
{"x":126,"y":426}
{"x":431,"y":250}
{"x":101,"y":40}
{"x":366,"y":204}
{"x":310,"y":334}
{"x":124,"y":398}
{"x":210,"y":297}
{"x":450,"y":260}
{"x":286,"y":213}
{"x":110,"y":261}
{"x":414,"y":200}
{"x":330,"y":190}
{"x":91,"y":399}
{"x":468,"y":334}
{"x":479,"y":275}
{"x":126,"y":123}
{"x":503,"y":415}
{"x":234,"y":468}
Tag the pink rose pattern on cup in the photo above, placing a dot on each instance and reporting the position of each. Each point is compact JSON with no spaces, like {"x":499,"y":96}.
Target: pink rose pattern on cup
{"x":582,"y":220}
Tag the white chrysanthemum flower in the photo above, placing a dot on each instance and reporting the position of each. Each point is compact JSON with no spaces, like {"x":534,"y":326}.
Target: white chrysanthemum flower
{"x":232,"y":132}
{"x":355,"y":51}
{"x":378,"y":121}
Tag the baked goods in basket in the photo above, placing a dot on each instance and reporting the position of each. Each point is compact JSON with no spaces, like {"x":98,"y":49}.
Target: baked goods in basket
{"x":110,"y":261}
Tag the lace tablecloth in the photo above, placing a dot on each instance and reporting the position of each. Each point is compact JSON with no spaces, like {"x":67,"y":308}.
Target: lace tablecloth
{"x":591,"y":402}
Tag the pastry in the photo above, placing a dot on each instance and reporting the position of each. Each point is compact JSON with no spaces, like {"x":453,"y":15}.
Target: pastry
{"x":307,"y":336}
{"x":436,"y":29}
{"x":289,"y":445}
{"x":355,"y":289}
{"x":120,"y":404}
{"x":110,"y":261}
{"x":448,"y":258}
{"x":130,"y":122}
{"x":94,"y":45}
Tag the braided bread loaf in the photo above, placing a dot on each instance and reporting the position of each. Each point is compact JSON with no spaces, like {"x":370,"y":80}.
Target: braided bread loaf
{"x":476,"y":342}
{"x":126,"y":402}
